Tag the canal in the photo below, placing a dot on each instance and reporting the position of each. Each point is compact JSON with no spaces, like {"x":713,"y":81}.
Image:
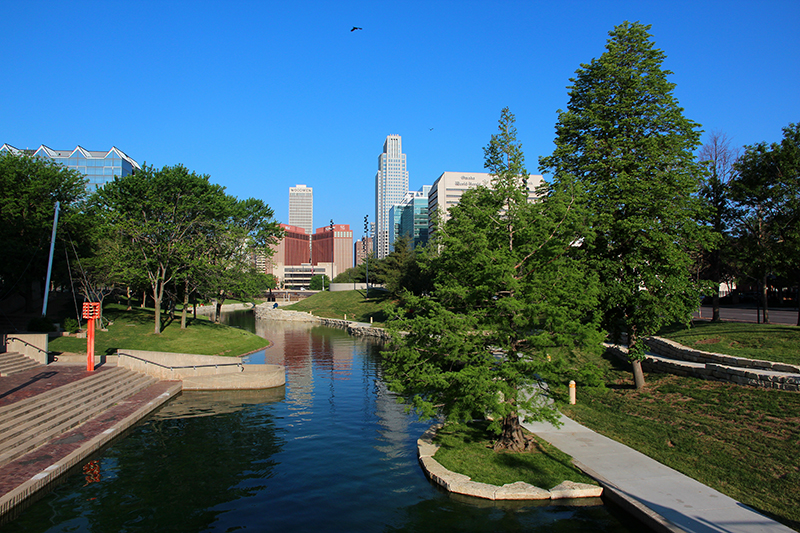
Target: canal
{"x":330,"y":451}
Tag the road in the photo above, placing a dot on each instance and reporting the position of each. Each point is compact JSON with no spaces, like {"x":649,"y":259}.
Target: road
{"x":748,"y":314}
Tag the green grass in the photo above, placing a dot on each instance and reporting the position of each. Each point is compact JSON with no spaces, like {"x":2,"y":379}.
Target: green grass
{"x":466,"y":449}
{"x":769,"y":342}
{"x":742,"y":441}
{"x":133,"y":329}
{"x":351,"y":303}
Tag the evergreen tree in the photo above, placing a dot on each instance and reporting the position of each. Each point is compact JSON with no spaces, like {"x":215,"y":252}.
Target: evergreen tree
{"x":625,"y":140}
{"x":507,"y":290}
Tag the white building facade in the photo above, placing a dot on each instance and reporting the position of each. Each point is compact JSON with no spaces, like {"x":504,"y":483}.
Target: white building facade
{"x":391,"y":185}
{"x":450,"y":186}
{"x":301,"y":207}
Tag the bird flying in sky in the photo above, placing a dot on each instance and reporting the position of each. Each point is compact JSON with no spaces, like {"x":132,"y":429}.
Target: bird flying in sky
{"x":356,"y":28}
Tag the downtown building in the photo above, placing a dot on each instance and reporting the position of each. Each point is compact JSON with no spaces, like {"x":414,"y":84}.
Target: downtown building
{"x":299,"y":256}
{"x":98,"y":167}
{"x":301,"y":207}
{"x":391,"y":185}
{"x":448,"y":188}
{"x":409,"y":218}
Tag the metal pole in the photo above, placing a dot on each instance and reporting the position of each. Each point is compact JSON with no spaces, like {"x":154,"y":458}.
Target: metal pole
{"x":50,"y":262}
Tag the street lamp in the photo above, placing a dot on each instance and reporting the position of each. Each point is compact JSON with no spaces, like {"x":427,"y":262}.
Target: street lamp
{"x":366,"y":254}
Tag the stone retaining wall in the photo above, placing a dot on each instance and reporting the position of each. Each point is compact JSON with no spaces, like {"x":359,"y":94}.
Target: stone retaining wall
{"x":673,"y":350}
{"x":353,"y":328}
{"x":752,"y":376}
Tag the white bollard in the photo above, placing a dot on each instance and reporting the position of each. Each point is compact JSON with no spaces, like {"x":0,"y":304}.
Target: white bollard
{"x":345,"y":316}
{"x":572,"y":392}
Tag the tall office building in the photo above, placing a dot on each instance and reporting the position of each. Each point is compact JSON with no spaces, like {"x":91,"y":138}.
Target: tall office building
{"x":98,"y":167}
{"x":301,"y":207}
{"x":410,"y":218}
{"x":391,"y":185}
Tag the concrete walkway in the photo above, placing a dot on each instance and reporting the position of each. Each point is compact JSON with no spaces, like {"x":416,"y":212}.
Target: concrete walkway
{"x":661,"y":497}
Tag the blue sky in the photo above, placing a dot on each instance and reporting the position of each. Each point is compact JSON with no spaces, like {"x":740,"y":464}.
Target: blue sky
{"x":265,"y":95}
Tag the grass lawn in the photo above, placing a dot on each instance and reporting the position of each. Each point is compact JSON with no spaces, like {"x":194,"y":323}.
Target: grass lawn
{"x":769,"y":342}
{"x":466,"y":449}
{"x":742,"y":441}
{"x":133,"y":329}
{"x":351,"y":303}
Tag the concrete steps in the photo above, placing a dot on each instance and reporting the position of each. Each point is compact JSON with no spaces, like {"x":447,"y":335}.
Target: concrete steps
{"x":30,"y":423}
{"x":13,"y":362}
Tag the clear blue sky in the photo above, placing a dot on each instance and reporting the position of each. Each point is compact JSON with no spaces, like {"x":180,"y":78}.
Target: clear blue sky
{"x":265,"y":95}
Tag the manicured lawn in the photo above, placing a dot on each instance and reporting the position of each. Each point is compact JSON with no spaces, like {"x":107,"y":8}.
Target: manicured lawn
{"x":133,"y":329}
{"x":466,"y":449}
{"x":770,"y":342}
{"x":742,"y":441}
{"x":351,"y":303}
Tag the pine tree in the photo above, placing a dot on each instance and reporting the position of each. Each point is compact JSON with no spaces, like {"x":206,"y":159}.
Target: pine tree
{"x":625,"y":140}
{"x":507,"y":292}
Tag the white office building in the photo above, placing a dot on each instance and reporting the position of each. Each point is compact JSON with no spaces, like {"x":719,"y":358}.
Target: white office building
{"x":301,"y":207}
{"x":448,"y":188}
{"x":391,"y":185}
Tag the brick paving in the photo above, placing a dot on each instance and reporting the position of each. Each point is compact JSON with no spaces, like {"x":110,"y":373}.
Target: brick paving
{"x":29,"y":383}
{"x":22,"y":477}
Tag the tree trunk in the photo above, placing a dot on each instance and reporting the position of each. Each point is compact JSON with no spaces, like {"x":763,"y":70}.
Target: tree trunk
{"x":512,"y":438}
{"x":638,"y":375}
{"x":185,"y":304}
{"x":764,"y":299}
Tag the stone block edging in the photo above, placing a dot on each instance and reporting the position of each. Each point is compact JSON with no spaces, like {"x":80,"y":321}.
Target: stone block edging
{"x":461,"y":484}
{"x":674,"y":350}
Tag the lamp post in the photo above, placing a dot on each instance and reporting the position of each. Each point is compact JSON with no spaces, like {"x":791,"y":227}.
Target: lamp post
{"x":333,"y":257}
{"x":366,"y":254}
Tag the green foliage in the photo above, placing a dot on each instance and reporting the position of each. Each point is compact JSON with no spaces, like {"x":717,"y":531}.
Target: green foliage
{"x":29,"y":190}
{"x":173,"y":225}
{"x":506,"y":290}
{"x":766,"y":195}
{"x":71,"y":325}
{"x":319,"y":282}
{"x":624,"y":141}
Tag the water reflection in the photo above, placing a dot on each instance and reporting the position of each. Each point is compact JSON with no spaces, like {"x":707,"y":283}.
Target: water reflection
{"x":333,"y":451}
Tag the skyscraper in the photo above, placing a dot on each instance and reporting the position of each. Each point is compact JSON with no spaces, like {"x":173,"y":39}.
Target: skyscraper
{"x":301,"y":207}
{"x":391,"y":184}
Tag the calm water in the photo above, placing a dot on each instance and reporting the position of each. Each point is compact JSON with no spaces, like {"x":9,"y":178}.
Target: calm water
{"x":332,"y":451}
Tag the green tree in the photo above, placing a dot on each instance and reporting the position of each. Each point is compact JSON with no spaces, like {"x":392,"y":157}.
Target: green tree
{"x":625,"y":140}
{"x":719,"y":158}
{"x":507,"y":290}
{"x":766,"y":194}
{"x":29,"y":190}
{"x":163,"y":216}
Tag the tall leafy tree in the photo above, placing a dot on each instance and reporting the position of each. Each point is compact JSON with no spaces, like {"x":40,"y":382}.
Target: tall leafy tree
{"x":625,"y":140}
{"x":719,"y":158}
{"x":164,"y":216}
{"x":29,"y":190}
{"x":507,"y":289}
{"x":766,"y":193}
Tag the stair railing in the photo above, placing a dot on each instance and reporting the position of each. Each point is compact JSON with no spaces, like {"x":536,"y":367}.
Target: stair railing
{"x":173,"y":368}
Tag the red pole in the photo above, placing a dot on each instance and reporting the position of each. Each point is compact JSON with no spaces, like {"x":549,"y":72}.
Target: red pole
{"x":90,"y":347}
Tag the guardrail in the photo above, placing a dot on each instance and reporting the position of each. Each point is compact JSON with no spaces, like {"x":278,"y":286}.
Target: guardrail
{"x":27,"y":348}
{"x":183,"y":367}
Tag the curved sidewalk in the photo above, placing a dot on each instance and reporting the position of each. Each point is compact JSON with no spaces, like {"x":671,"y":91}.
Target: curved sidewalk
{"x":661,"y":497}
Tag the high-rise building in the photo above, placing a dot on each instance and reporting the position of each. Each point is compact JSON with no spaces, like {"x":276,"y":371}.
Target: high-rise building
{"x":361,"y":249}
{"x":391,"y":184}
{"x":98,"y":167}
{"x":301,"y":207}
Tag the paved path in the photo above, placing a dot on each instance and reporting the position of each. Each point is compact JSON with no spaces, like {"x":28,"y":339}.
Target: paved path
{"x":661,"y":497}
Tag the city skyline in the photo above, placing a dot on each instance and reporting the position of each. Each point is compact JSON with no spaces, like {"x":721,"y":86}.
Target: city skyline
{"x":276,"y":94}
